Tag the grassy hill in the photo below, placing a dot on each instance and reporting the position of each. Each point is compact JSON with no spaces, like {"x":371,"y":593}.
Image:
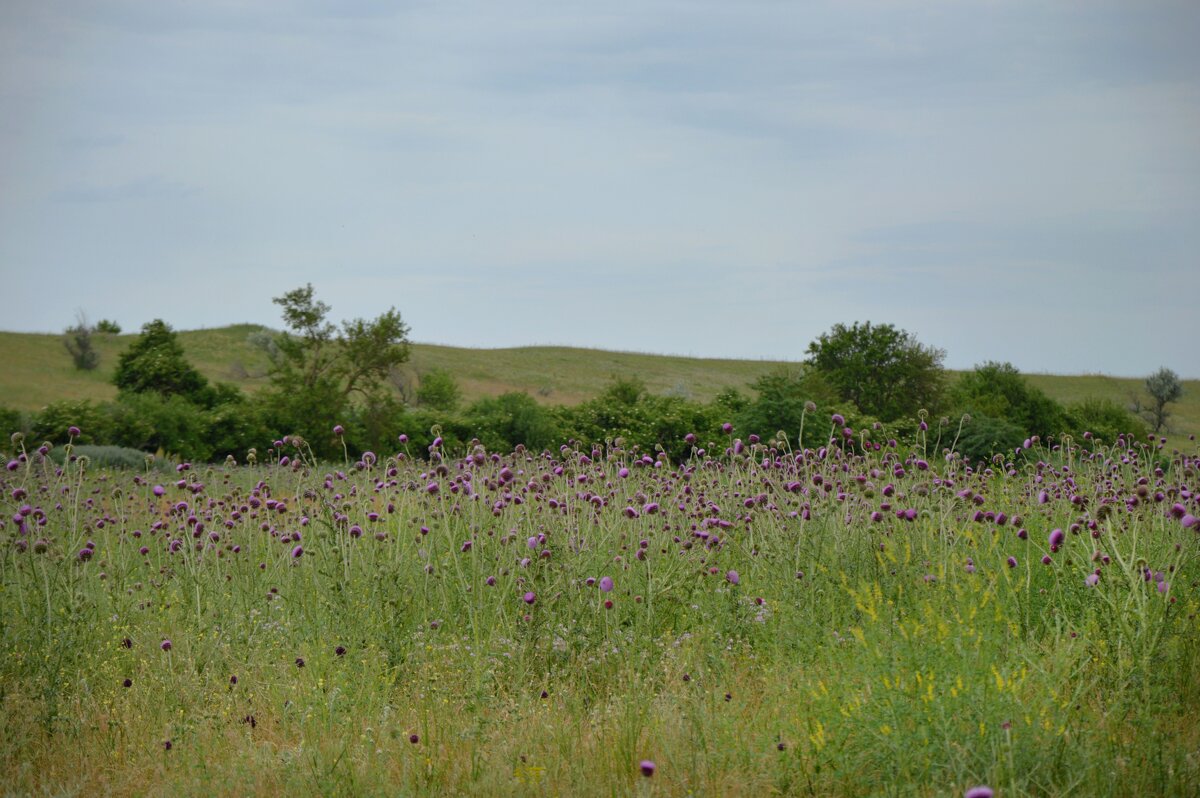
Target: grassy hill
{"x":35,"y":370}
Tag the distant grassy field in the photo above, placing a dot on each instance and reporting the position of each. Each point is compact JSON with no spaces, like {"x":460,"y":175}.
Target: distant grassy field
{"x":36,"y":370}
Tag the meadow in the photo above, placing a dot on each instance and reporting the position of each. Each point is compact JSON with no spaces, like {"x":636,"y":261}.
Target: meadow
{"x":870,"y":617}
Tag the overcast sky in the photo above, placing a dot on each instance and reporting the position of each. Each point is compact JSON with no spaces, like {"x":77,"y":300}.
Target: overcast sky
{"x":1007,"y":180}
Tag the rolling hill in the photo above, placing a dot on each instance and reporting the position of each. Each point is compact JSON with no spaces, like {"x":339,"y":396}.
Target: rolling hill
{"x":35,"y":370}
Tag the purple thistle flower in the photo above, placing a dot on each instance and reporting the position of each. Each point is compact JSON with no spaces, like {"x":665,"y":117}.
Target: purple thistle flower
{"x":982,"y":791}
{"x":1057,"y":536}
{"x":1012,"y":562}
{"x":165,"y":645}
{"x":339,"y":430}
{"x":732,"y":577}
{"x":159,"y":490}
{"x":530,"y":597}
{"x":297,"y":552}
{"x":606,"y":584}
{"x":726,"y":428}
{"x":647,"y":768}
{"x":1189,"y":521}
{"x":1092,"y":580}
{"x":73,"y":431}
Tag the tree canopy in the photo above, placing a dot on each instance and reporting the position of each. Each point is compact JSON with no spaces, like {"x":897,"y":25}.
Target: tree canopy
{"x":320,"y":372}
{"x":155,"y":363}
{"x":885,"y":372}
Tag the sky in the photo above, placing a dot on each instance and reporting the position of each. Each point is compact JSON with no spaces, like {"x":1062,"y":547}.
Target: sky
{"x":1011,"y":181}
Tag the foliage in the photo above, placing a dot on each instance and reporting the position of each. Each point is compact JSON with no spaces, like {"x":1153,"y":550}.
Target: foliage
{"x":1164,"y":388}
{"x":983,"y":435}
{"x":511,"y":419}
{"x":527,"y":623}
{"x":439,"y":391}
{"x":10,"y":421}
{"x":998,"y":391}
{"x":1105,"y":420}
{"x":108,"y":327}
{"x":151,"y":422}
{"x":779,"y":406}
{"x":319,"y":373}
{"x":155,"y":363}
{"x":883,"y":371}
{"x":54,"y":420}
{"x":78,"y":342}
{"x":647,"y":425}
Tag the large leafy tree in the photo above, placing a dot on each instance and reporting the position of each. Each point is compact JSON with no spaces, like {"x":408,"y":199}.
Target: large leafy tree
{"x":885,"y":372}
{"x":320,"y":373}
{"x":155,"y":363}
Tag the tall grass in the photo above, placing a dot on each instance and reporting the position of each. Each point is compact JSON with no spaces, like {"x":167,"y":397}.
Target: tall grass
{"x":818,"y":623}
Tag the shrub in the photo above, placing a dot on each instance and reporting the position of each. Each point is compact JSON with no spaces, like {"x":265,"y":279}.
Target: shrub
{"x":11,"y":421}
{"x":108,"y":326}
{"x":998,"y":391}
{"x":111,"y":457}
{"x":439,"y":391}
{"x":983,"y":436}
{"x":78,"y":342}
{"x":510,"y":419}
{"x":150,"y":422}
{"x":52,"y":422}
{"x":1105,"y":420}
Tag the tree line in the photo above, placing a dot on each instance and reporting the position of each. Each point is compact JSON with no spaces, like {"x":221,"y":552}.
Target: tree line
{"x":864,"y":385}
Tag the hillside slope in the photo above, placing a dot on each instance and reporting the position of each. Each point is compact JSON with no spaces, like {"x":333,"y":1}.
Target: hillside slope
{"x":35,"y":370}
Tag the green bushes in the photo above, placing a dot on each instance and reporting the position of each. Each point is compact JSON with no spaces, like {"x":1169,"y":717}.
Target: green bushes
{"x":1105,"y":420}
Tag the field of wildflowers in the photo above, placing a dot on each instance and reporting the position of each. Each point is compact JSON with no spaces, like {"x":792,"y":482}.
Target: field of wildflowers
{"x":864,"y":618}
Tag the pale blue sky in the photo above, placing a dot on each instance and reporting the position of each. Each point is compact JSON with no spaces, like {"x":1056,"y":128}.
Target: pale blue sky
{"x":1007,"y":180}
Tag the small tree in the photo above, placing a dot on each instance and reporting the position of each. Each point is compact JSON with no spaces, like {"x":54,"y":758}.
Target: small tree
{"x":439,"y":390}
{"x":1164,"y":387}
{"x":78,"y":342}
{"x":320,"y":373}
{"x":108,"y":326}
{"x":887,"y":373}
{"x":155,"y":363}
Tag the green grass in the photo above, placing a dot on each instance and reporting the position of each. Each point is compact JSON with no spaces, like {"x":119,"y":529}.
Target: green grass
{"x":850,"y":658}
{"x":36,"y":370}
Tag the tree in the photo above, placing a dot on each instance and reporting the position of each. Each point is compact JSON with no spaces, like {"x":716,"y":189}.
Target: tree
{"x":439,"y":390}
{"x":883,"y":371}
{"x":1164,"y":387}
{"x":155,"y":363}
{"x":353,"y":361}
{"x":998,"y":391}
{"x":108,"y":326}
{"x":78,"y":342}
{"x":319,"y":373}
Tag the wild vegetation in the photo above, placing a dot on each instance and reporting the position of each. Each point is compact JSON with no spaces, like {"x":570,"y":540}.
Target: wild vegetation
{"x":749,"y":617}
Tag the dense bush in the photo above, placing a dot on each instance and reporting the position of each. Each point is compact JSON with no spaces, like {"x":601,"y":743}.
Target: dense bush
{"x":1105,"y":420}
{"x":439,"y":391}
{"x":55,"y":419}
{"x":11,"y":421}
{"x":998,"y":391}
{"x":982,"y":436}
